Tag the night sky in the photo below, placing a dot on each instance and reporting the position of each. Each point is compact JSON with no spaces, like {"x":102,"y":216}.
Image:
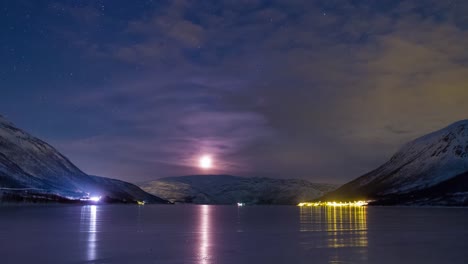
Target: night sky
{"x":322,"y":90}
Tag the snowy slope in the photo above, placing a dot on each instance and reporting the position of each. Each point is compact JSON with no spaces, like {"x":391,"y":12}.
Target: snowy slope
{"x":452,"y":192}
{"x":225,"y":189}
{"x":421,"y":164}
{"x":38,"y":159}
{"x":31,"y":164}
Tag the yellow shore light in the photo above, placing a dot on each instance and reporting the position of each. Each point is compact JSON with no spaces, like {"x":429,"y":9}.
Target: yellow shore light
{"x":335,"y":204}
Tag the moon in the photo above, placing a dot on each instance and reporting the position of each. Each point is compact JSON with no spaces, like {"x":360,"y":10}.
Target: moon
{"x":206,"y":162}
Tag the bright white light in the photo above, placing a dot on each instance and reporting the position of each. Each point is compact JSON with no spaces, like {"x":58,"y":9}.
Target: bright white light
{"x":206,"y":162}
{"x":95,"y":198}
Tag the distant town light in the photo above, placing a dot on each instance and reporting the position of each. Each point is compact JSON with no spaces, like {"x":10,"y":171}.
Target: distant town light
{"x":240,"y":204}
{"x":95,"y":198}
{"x":335,"y":204}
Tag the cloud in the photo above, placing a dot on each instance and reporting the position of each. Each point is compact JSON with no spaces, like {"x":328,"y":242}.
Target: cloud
{"x":163,"y":122}
{"x":324,"y":90}
{"x":414,"y":75}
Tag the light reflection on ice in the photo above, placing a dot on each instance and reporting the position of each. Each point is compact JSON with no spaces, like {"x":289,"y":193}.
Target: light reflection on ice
{"x":204,"y":234}
{"x":347,"y":227}
{"x":344,"y":227}
{"x":88,"y":224}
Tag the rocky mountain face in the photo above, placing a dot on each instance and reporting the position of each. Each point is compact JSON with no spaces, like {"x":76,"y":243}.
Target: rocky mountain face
{"x":432,"y":169}
{"x":29,"y":167}
{"x":225,"y":189}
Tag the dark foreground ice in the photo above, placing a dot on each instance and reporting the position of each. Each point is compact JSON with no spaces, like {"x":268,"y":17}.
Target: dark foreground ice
{"x":228,"y":234}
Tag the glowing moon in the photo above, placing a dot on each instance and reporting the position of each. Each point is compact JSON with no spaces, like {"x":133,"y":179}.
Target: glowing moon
{"x":206,"y":162}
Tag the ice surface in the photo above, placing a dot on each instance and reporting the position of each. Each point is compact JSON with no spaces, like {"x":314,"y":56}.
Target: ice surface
{"x":228,"y":234}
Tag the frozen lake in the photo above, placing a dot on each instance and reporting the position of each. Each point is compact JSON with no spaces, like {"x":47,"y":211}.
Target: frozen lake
{"x":228,"y":234}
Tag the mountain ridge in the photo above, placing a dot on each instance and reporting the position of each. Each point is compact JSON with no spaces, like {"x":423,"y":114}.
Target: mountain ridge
{"x":420,"y":164}
{"x":32,"y":165}
{"x":228,"y":189}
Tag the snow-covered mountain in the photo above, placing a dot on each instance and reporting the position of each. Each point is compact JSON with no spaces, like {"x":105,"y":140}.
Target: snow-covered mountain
{"x":31,"y":167}
{"x":225,"y":189}
{"x":423,"y":171}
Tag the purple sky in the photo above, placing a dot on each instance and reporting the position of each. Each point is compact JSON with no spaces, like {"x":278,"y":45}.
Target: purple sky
{"x":322,"y":90}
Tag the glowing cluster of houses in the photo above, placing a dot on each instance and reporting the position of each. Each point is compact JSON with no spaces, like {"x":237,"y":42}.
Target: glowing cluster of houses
{"x":353,"y":203}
